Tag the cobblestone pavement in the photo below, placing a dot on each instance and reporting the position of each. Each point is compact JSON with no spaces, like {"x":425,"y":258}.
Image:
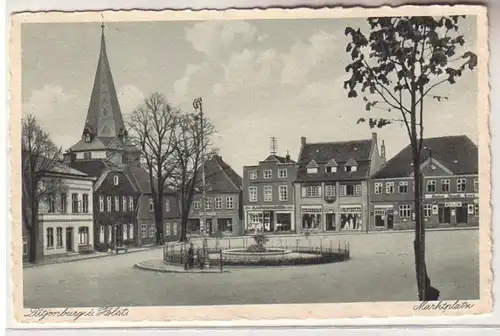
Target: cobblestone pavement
{"x":381,"y":269}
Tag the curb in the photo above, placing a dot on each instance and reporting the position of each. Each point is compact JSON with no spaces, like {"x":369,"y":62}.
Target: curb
{"x":180,"y":270}
{"x":104,"y":255}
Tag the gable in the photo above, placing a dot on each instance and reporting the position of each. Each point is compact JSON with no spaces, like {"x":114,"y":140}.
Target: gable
{"x":351,"y":162}
{"x":106,"y":184}
{"x":312,"y":164}
{"x":332,"y":163}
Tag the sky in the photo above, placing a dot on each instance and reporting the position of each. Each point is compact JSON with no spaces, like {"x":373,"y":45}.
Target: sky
{"x":258,"y":79}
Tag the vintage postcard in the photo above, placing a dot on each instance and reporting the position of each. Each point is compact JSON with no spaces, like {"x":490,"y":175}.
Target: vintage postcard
{"x":181,"y":166}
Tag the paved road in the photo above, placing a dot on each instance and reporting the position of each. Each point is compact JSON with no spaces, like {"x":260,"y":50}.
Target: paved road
{"x":381,"y":269}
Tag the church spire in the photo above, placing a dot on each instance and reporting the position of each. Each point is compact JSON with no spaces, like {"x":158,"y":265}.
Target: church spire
{"x":104,"y":117}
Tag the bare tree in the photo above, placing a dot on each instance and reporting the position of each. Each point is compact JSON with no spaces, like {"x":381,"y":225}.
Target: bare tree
{"x":401,"y":63}
{"x":193,"y":148}
{"x":153,"y":129}
{"x":39,"y":156}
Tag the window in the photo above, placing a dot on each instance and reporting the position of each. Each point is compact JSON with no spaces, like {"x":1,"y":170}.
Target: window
{"x":74,"y":203}
{"x":101,"y":203}
{"x":124,"y":203}
{"x":252,"y":174}
{"x":167,"y":205}
{"x":117,"y":203}
{"x":151,"y":205}
{"x":329,"y":189}
{"x":329,"y":169}
{"x":131,"y":203}
{"x":152,"y":230}
{"x":196,"y":204}
{"x":403,"y":187}
{"x":350,"y":168}
{"x":116,"y":180}
{"x":218,"y":202}
{"x":174,"y":228}
{"x":25,"y":246}
{"x":144,"y":230}
{"x":268,"y":193}
{"x":131,"y":231}
{"x":405,"y":210}
{"x":52,"y":204}
{"x":208,"y":203}
{"x":168,"y":231}
{"x":445,"y":185}
{"x":59,"y":237}
{"x":282,"y":173}
{"x":311,"y":217}
{"x":283,"y":193}
{"x":476,"y":185}
{"x":378,"y":187}
{"x":431,"y":186}
{"x":312,"y":170}
{"x":252,"y":194}
{"x":50,"y":238}
{"x":83,"y":235}
{"x":268,"y":174}
{"x":311,"y":191}
{"x":108,"y":203}
{"x":64,"y":201}
{"x":225,"y":224}
{"x":461,"y":185}
{"x":87,"y":155}
{"x":85,"y":203}
{"x":427,"y":210}
{"x":350,"y":189}
{"x":229,"y":202}
{"x":255,"y":218}
{"x":389,"y":187}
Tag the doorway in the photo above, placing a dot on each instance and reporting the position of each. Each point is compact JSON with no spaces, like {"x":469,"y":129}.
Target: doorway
{"x":379,"y":219}
{"x":330,"y":222}
{"x":461,"y":214}
{"x":390,"y":221}
{"x":209,"y":226}
{"x":69,"y":239}
{"x":444,"y":214}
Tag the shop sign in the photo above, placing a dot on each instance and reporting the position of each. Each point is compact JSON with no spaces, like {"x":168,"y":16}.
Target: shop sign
{"x":268,"y":207}
{"x":207,"y":214}
{"x":452,"y":204}
{"x":383,"y":206}
{"x":456,"y":195}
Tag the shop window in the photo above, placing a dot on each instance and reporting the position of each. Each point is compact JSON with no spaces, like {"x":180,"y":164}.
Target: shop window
{"x":225,"y":224}
{"x":311,"y":218}
{"x":255,"y":221}
{"x":283,"y":222}
{"x":350,"y":219}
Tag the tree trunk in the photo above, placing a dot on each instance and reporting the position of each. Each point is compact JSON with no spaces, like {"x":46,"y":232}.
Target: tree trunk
{"x":33,"y":232}
{"x":158,"y":209}
{"x":418,"y":244}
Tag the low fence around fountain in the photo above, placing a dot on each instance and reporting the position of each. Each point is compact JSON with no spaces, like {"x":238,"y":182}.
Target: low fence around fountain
{"x":176,"y":253}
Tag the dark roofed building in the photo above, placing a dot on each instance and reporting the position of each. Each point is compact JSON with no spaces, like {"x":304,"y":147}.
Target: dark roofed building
{"x":449,"y":165}
{"x":331,"y":188}
{"x":222,"y":202}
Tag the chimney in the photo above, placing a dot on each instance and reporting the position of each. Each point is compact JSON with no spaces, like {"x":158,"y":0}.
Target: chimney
{"x":273,"y":146}
{"x":382,"y":150}
{"x":287,"y":157}
{"x":374,"y":137}
{"x":303,"y":141}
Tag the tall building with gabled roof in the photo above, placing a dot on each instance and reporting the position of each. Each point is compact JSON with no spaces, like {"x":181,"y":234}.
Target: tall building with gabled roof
{"x":123,"y":210}
{"x":104,"y":135}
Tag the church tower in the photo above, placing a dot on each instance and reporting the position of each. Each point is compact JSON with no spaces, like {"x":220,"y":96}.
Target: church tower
{"x":104,"y":136}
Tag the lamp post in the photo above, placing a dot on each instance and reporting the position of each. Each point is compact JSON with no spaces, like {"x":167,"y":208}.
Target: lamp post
{"x":198,"y":105}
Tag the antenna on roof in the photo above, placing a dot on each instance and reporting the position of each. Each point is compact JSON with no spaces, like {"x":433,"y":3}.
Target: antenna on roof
{"x":273,"y":146}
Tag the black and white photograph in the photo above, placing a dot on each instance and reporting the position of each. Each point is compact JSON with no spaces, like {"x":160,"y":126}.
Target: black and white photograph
{"x":231,"y":159}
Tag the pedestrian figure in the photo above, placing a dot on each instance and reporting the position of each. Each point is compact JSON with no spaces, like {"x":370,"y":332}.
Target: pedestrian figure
{"x":190,"y":256}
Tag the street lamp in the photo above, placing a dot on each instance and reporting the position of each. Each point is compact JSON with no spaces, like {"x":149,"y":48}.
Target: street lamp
{"x":198,"y":105}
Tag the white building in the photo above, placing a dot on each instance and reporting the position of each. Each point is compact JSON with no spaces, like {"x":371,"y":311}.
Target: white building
{"x":66,"y":217}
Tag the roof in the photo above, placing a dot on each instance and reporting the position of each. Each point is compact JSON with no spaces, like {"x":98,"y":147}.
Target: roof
{"x":221,"y":177}
{"x":140,"y":179}
{"x":278,"y":158}
{"x":457,"y":153}
{"x":61,"y":168}
{"x":93,"y":168}
{"x":104,"y":117}
{"x":342,"y":153}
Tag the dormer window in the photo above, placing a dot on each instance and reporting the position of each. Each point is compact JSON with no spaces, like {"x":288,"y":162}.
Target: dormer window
{"x":312,"y":167}
{"x":87,"y":137}
{"x":331,"y":166}
{"x":351,"y":165}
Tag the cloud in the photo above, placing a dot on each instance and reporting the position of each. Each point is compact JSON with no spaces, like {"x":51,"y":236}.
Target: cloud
{"x":213,"y":38}
{"x":130,"y":97}
{"x":55,"y":110}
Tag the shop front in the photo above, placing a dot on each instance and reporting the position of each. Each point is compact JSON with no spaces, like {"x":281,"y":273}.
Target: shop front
{"x":311,"y":217}
{"x":383,"y":217}
{"x":451,"y":210}
{"x":351,"y":217}
{"x":277,"y":218}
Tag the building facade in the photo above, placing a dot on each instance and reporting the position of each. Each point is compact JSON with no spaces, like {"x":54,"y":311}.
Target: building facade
{"x":222,"y":204}
{"x":331,"y":188}
{"x":449,"y":167}
{"x":65,"y":218}
{"x":268,"y":197}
